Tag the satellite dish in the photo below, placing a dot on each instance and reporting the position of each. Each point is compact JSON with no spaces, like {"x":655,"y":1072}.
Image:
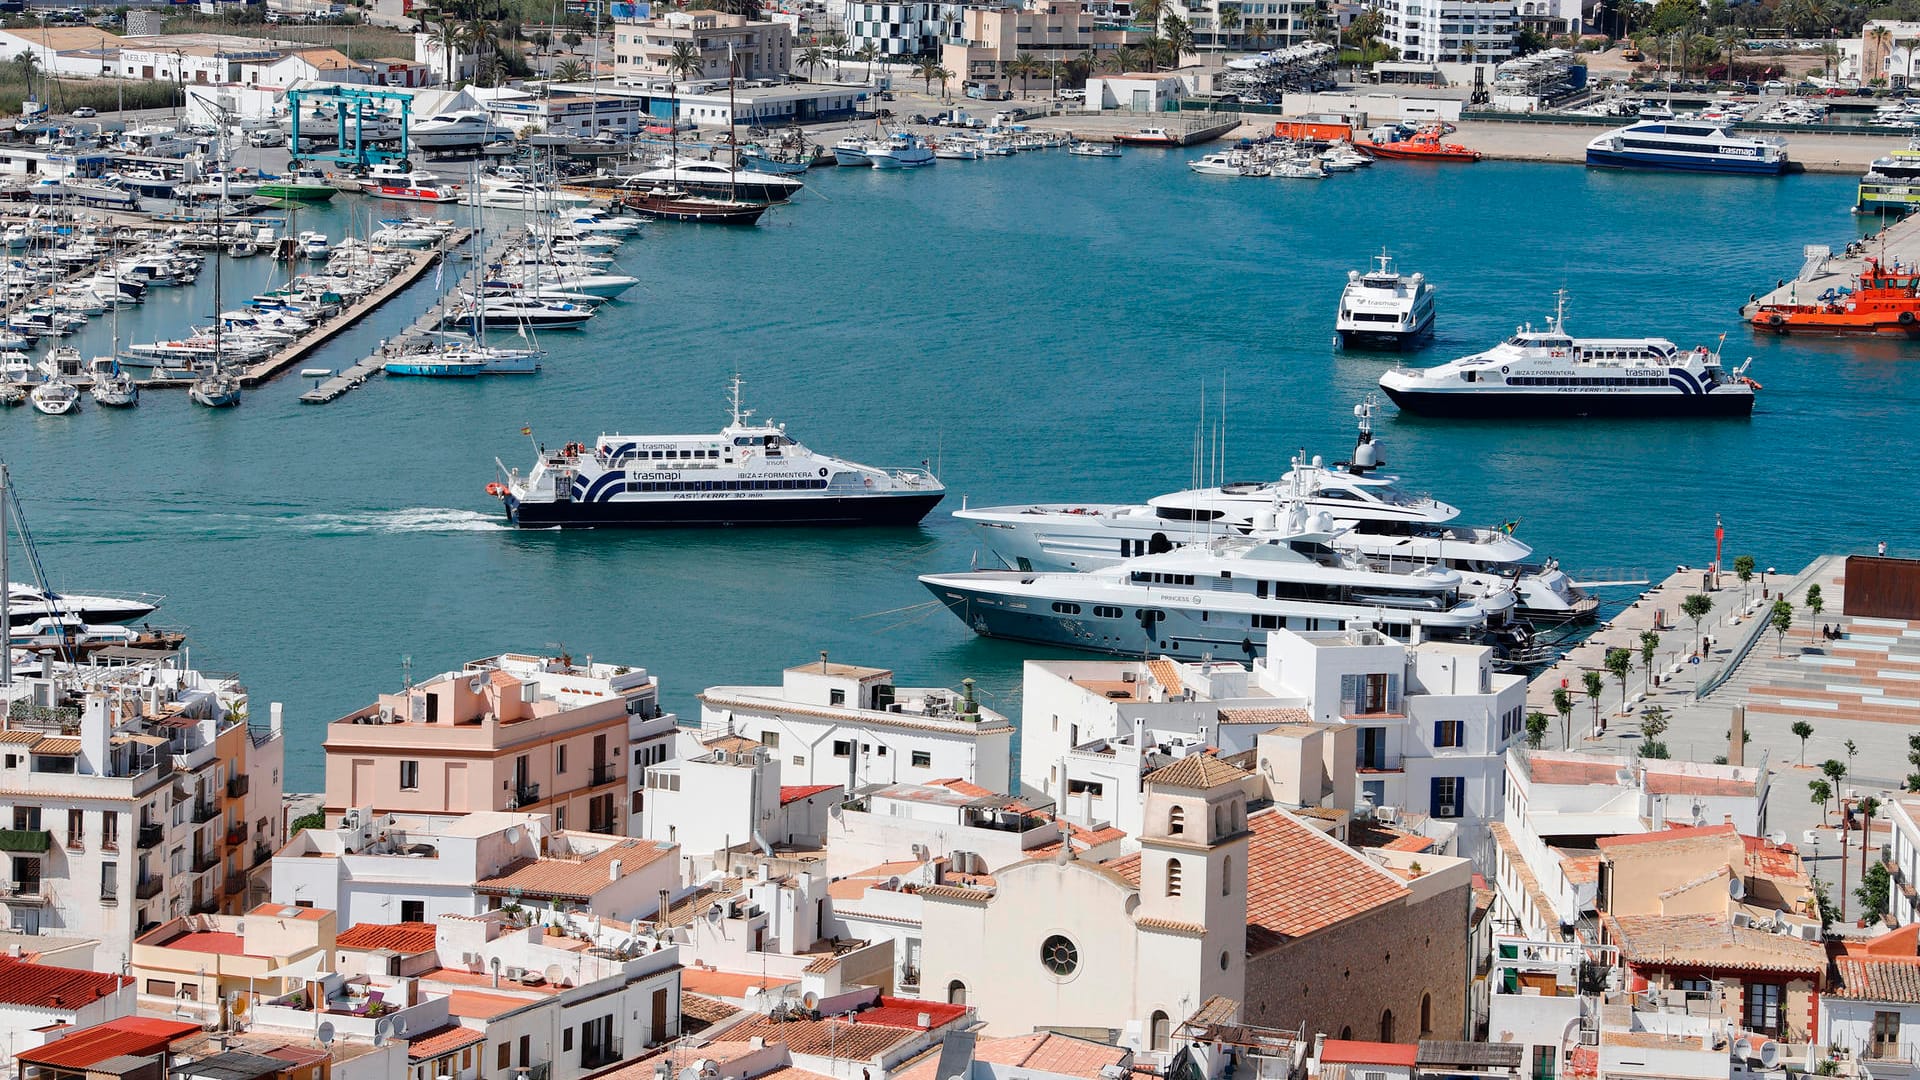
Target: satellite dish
{"x":240,"y":1005}
{"x":494,"y":963}
{"x":1736,"y":888}
{"x":833,"y":811}
{"x":555,"y":973}
{"x":810,"y":1001}
{"x":714,"y":915}
{"x":513,"y":834}
{"x":400,"y":1027}
{"x":325,"y":1034}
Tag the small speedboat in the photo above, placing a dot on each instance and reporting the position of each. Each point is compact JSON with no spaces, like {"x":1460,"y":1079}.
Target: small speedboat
{"x":1087,"y":149}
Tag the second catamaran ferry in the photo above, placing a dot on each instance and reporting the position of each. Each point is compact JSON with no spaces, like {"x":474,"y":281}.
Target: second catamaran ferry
{"x":747,"y":474}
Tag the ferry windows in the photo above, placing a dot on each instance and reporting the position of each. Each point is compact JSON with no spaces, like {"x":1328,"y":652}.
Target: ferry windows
{"x":1108,"y":612}
{"x":1066,"y":609}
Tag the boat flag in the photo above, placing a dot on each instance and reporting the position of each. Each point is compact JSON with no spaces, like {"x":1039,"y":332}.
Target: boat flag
{"x":526,"y":431}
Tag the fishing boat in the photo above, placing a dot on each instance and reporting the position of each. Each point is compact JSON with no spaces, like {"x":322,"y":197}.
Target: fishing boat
{"x":1087,"y":149}
{"x":1884,"y":302}
{"x":1148,"y":136}
{"x":303,"y":185}
{"x":1422,"y":145}
{"x":748,"y":473}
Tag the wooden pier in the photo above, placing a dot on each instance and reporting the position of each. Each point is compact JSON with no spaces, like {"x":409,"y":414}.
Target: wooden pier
{"x":368,"y":366}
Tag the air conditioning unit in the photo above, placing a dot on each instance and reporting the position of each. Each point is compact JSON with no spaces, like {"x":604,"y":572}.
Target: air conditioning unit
{"x":1388,"y":814}
{"x":515,"y":974}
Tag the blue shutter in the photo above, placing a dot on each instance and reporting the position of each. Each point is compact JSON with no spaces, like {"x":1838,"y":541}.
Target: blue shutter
{"x":1433,"y":796}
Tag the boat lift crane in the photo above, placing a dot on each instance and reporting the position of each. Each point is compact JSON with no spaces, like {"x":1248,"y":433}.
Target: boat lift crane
{"x":350,"y":146}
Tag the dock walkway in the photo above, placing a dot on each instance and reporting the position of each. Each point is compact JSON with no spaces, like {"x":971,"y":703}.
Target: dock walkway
{"x":1823,"y":270}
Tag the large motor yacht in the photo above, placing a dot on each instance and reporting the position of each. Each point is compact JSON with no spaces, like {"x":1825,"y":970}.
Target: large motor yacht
{"x":1688,"y":146}
{"x":455,"y":130}
{"x":1549,"y":373}
{"x":747,"y":474}
{"x":715,"y":180}
{"x":27,"y":603}
{"x":1384,"y":523}
{"x":1218,"y":599}
{"x":1381,"y":309}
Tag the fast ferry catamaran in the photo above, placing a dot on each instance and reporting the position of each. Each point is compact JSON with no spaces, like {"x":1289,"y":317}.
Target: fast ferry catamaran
{"x":1220,"y":598}
{"x":747,"y":474}
{"x":1385,"y":524}
{"x":1550,"y":373}
{"x":1380,"y":309}
{"x":1688,"y":146}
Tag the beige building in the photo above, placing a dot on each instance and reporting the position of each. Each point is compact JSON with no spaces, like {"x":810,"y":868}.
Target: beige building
{"x":197,"y":962}
{"x":984,"y":39}
{"x":759,"y":50}
{"x":507,"y":733}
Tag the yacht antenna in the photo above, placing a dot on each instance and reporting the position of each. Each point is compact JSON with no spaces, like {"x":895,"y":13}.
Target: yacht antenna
{"x":1559,"y":309}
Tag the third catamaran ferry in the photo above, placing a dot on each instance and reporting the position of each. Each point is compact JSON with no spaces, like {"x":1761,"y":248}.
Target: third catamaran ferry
{"x":748,"y":474}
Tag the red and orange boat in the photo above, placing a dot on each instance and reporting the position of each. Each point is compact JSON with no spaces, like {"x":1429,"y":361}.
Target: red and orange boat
{"x":1885,"y":302}
{"x":1423,"y":145}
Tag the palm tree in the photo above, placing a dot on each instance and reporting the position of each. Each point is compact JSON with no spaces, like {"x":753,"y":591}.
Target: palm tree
{"x":1257,"y":33}
{"x":941,"y":75}
{"x":1882,"y":39}
{"x":447,"y":34}
{"x":490,"y":71}
{"x":684,"y":62}
{"x":1111,"y":60}
{"x":812,"y":58}
{"x":568,"y":71}
{"x":868,"y":52}
{"x":1022,"y":67}
{"x":1147,"y":12}
{"x":1229,"y":22}
{"x":926,"y":70}
{"x":1179,"y":35}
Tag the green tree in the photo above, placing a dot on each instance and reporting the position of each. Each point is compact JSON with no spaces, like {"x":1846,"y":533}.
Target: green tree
{"x":1024,"y":66}
{"x":1649,"y":648}
{"x":1653,"y":723}
{"x":1834,"y":770}
{"x":315,"y":820}
{"x":1594,"y":684}
{"x":1697,"y":606}
{"x":1536,"y":728}
{"x":684,"y":62}
{"x":1563,"y":704}
{"x":1802,"y":731}
{"x":1875,"y":887}
{"x":1913,"y":759}
{"x":1229,"y":22}
{"x":1619,"y":663}
{"x":926,"y":70}
{"x":1868,"y":806}
{"x":868,"y":52}
{"x":1742,"y":564}
{"x":1179,"y":35}
{"x":1815,"y":602}
{"x":446,"y":34}
{"x":569,"y":71}
{"x":1821,"y":792}
{"x":812,"y":59}
{"x":1823,"y":903}
{"x":1782,"y":620}
{"x":572,"y":40}
{"x":1851,"y":750}
{"x":942,"y":76}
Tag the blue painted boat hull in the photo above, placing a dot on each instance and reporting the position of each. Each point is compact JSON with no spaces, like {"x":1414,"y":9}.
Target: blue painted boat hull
{"x":1611,"y":159}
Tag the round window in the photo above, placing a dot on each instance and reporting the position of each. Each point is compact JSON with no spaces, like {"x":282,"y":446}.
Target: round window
{"x":1060,"y":955}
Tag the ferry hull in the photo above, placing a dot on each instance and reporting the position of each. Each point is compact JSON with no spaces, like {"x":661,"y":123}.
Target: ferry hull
{"x":1386,"y":340}
{"x":1014,"y":620}
{"x":1611,"y":159}
{"x":904,"y":509}
{"x":1483,"y":405}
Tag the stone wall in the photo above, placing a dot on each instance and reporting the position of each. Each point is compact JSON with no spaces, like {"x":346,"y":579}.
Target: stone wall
{"x":1347,"y":976}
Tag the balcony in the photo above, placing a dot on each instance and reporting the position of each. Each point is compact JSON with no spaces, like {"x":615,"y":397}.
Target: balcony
{"x":35,"y":840}
{"x":261,"y":852}
{"x":151,"y":835}
{"x":204,"y":810}
{"x":236,"y":883}
{"x":604,"y":773}
{"x":237,"y":833}
{"x":206,"y":905}
{"x":28,"y":891}
{"x":149,"y":887}
{"x":524,"y":795}
{"x":237,"y":785}
{"x":598,"y":824}
{"x":594,"y":1056}
{"x":204,"y":861}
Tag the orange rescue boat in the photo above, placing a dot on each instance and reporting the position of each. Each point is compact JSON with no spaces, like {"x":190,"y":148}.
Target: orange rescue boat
{"x":1423,"y":145}
{"x":1886,"y":302}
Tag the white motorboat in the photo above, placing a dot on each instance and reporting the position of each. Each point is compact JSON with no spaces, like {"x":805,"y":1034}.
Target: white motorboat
{"x":457,"y":130}
{"x":28,"y":603}
{"x":1223,"y":164}
{"x":313,"y":245}
{"x":1087,"y":149}
{"x":900,"y":150}
{"x":394,"y":180}
{"x":1383,"y":309}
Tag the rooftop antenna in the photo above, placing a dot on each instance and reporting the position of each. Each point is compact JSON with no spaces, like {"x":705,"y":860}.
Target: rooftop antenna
{"x":406,"y":672}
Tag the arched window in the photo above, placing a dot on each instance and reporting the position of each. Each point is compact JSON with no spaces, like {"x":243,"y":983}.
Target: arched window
{"x":1220,"y":820}
{"x":1176,"y":821}
{"x":1386,"y":1026}
{"x":1173,"y":877}
{"x":1346,"y":1033}
{"x":1161,"y":1029}
{"x":1426,"y":1015}
{"x":956,"y":993}
{"x":1226,"y":876}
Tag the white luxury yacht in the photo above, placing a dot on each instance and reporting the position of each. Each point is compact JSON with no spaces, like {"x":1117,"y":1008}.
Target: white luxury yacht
{"x":26,"y":603}
{"x":457,"y":129}
{"x":1219,"y":598}
{"x":1383,"y":522}
{"x":1381,"y":309}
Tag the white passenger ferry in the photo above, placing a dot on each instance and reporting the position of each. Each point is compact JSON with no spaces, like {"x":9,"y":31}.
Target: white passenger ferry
{"x":1549,"y":373}
{"x":747,"y":474}
{"x":1381,"y":309}
{"x":1688,"y":146}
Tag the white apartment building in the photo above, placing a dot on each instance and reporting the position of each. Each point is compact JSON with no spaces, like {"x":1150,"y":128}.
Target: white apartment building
{"x":412,"y":869}
{"x":727,"y":794}
{"x":919,"y":822}
{"x":1429,"y":723}
{"x":1450,"y":31}
{"x":723,"y":42}
{"x":135,"y":792}
{"x":829,"y":723}
{"x":898,"y":29}
{"x":1902,"y":853}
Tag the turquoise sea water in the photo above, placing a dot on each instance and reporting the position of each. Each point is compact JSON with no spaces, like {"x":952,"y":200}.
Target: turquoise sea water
{"x":1041,"y":327}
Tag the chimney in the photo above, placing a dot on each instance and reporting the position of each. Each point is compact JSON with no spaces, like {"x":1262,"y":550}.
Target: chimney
{"x":660,"y":917}
{"x":1737,"y":737}
{"x":274,"y":718}
{"x":613,"y":870}
{"x":823,"y":661}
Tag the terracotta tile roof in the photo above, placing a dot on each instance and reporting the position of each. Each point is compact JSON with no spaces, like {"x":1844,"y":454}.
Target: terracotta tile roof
{"x":1408,"y":843}
{"x":475,"y":1005}
{"x":1127,"y":867}
{"x":1200,"y":772}
{"x":1665,"y":783}
{"x":948,"y":892}
{"x":214,"y":942}
{"x":1572,"y":770}
{"x":442,"y":1041}
{"x":1712,"y":942}
{"x":576,"y":879}
{"x":1266,"y":716}
{"x":795,"y":794}
{"x":1585,"y":1061}
{"x":1171,"y":926}
{"x":730,"y":743}
{"x":830,"y":1036}
{"x":1877,"y":978}
{"x":906,"y":1012}
{"x":789,"y":1072}
{"x":1217,"y":1009}
{"x":1354,"y":1052}
{"x":1167,"y":674}
{"x":692,"y":906}
{"x":1040,"y":1052}
{"x":407,"y":938}
{"x":138,"y":1036}
{"x":1300,"y":881}
{"x":822,"y":964}
{"x":1581,"y":869}
{"x":58,"y":746}
{"x":21,"y":738}
{"x":724,"y":984}
{"x":44,"y":986}
{"x":1660,"y":836}
{"x":705,"y":1009}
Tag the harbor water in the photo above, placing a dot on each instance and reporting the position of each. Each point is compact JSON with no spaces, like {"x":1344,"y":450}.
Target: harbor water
{"x":1039,"y":327}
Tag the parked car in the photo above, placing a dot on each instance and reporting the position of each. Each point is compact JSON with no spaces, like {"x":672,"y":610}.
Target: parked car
{"x":84,"y":112}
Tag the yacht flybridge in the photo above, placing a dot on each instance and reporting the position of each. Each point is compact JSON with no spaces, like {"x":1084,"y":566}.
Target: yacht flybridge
{"x":1219,"y":598}
{"x":746,"y":474}
{"x":1383,"y":522}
